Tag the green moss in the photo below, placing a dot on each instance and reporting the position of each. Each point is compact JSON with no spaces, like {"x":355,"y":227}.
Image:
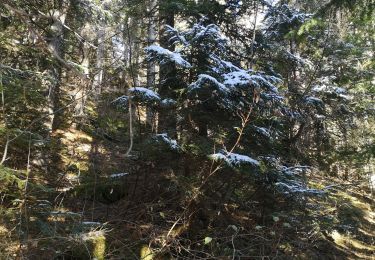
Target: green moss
{"x":96,"y":244}
{"x":146,"y":253}
{"x":10,"y":182}
{"x":99,"y":247}
{"x":316,"y":185}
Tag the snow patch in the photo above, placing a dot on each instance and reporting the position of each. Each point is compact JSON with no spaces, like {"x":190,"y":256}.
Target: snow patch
{"x":91,"y":223}
{"x":65,"y":213}
{"x":320,"y":116}
{"x":118,"y":175}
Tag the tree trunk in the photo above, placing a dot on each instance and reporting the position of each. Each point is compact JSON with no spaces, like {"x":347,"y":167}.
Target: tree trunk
{"x":167,"y":82}
{"x":56,"y":45}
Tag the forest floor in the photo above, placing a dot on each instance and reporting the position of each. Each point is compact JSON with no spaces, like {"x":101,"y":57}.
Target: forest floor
{"x":350,"y":210}
{"x":142,"y":214}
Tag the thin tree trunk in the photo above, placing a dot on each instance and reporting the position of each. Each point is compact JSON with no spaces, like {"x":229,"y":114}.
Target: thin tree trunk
{"x":254,"y":34}
{"x":134,"y":82}
{"x":80,"y":93}
{"x":134,"y":32}
{"x":99,"y":72}
{"x":5,"y":153}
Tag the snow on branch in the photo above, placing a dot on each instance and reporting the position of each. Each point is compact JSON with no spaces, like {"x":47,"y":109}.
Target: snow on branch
{"x":168,"y":102}
{"x":201,"y":32}
{"x":297,"y":187}
{"x":164,"y":138}
{"x":207,"y":80}
{"x":263,"y":131}
{"x":271,"y":97}
{"x":285,"y":14}
{"x":309,"y":100}
{"x":175,"y":36}
{"x":243,"y":78}
{"x":291,"y":181}
{"x":325,"y":88}
{"x":237,"y":78}
{"x":118,"y":175}
{"x":296,"y":59}
{"x":157,"y":52}
{"x":139,"y":94}
{"x":222,"y":65}
{"x":234,"y":159}
{"x":144,"y":94}
{"x":121,"y":101}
